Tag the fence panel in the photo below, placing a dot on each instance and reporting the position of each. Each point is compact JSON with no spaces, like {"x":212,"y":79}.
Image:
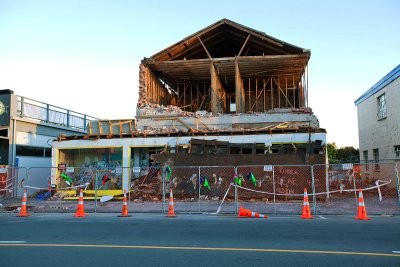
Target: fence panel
{"x":264,"y":189}
{"x":343,"y":181}
{"x":108,"y":189}
{"x":146,"y":194}
{"x":214,"y":182}
{"x":12,"y":181}
{"x":381,"y":200}
{"x":184,"y":182}
{"x":53,"y":189}
{"x":278,"y":188}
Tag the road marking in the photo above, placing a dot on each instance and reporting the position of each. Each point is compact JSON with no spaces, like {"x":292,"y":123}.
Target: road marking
{"x":322,"y":217}
{"x":12,"y":242}
{"x":209,"y":249}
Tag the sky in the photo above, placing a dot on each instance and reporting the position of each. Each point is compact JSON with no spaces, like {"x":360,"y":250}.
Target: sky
{"x":84,"y":55}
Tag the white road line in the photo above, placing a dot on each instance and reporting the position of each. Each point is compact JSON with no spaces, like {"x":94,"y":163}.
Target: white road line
{"x":12,"y":242}
{"x":396,"y":252}
{"x":322,"y":217}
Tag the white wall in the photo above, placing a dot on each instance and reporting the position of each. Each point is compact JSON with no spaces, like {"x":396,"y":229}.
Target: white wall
{"x":381,"y":134}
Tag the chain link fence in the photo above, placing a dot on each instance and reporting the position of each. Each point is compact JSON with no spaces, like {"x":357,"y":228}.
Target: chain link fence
{"x":11,"y":182}
{"x":344,"y":181}
{"x":266,"y":189}
{"x":274,"y":188}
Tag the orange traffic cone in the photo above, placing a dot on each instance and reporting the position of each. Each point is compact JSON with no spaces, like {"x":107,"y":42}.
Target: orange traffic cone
{"x":171,"y":211}
{"x":80,"y":211}
{"x":306,"y":214}
{"x":362,"y":212}
{"x":251,"y":214}
{"x":124,"y":207}
{"x":23,"y":212}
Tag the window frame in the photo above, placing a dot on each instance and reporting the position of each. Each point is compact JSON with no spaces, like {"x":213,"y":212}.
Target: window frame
{"x":382,"y":107}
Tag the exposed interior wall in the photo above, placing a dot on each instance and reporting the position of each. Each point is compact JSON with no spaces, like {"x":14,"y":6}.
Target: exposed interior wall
{"x":152,"y":90}
{"x":216,"y":94}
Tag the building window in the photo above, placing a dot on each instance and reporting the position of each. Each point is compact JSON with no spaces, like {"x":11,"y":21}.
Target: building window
{"x":376,"y":158}
{"x":33,"y":151}
{"x":365,"y":155}
{"x":397,"y":151}
{"x":381,"y":107}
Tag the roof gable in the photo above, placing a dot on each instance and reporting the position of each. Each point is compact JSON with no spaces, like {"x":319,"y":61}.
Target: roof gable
{"x":226,"y":38}
{"x":390,"y":77}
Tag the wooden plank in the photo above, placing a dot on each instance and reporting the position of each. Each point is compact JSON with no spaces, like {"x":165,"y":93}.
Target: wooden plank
{"x":294,"y":92}
{"x":205,"y":49}
{"x":244,"y":44}
{"x":249,"y":97}
{"x":286,"y":91}
{"x":217,"y":92}
{"x":272,"y":95}
{"x":279,"y":93}
{"x":283,"y":93}
{"x":239,"y":91}
{"x":264,"y":93}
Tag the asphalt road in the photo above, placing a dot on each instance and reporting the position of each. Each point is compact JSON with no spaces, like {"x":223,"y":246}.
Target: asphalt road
{"x":197,"y":240}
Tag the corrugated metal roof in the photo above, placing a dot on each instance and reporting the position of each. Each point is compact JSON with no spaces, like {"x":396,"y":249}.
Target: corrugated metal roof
{"x":390,"y":77}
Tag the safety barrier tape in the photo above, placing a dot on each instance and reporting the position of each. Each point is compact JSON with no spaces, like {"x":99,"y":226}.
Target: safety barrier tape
{"x":65,"y":188}
{"x":311,"y":194}
{"x":223,"y":199}
{"x":7,"y":188}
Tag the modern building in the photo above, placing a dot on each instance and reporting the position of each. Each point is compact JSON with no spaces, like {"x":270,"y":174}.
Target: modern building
{"x":27,"y":129}
{"x":225,"y":95}
{"x":378,"y":111}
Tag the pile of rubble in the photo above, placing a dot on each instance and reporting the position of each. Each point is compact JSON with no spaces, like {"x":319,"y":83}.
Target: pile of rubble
{"x":148,"y":109}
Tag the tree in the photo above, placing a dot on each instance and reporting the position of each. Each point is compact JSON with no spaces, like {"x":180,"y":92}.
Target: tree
{"x":346,"y":154}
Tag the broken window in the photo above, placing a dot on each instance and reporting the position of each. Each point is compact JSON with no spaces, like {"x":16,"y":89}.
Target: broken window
{"x":397,"y":151}
{"x":376,"y":158}
{"x":382,"y":107}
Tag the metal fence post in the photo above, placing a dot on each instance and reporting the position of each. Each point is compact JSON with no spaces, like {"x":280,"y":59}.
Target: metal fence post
{"x":28,"y":176}
{"x":47,"y":112}
{"x":236,"y":196}
{"x":22,"y":107}
{"x":163,"y":190}
{"x":313,"y":189}
{"x":273,"y":186}
{"x":396,"y":168}
{"x":327,"y":182}
{"x":198,"y":183}
{"x":95,"y":191}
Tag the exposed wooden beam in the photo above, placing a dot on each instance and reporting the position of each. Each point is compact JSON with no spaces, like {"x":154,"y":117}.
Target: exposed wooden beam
{"x":244,"y":44}
{"x":283,"y":93}
{"x":218,"y":103}
{"x":239,"y":91}
{"x":205,"y":48}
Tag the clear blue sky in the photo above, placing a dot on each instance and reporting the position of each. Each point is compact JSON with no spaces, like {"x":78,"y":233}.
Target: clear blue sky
{"x":84,"y":55}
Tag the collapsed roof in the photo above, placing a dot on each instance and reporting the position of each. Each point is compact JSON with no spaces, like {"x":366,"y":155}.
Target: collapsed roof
{"x":224,"y":68}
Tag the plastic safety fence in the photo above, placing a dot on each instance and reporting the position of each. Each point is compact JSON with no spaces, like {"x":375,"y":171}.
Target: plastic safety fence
{"x":57,"y":190}
{"x":214,"y":181}
{"x":272,"y":188}
{"x":146,"y":189}
{"x":379,"y":183}
{"x":11,"y":182}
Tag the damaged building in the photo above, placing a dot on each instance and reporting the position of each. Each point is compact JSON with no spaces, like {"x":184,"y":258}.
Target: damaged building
{"x":225,"y":95}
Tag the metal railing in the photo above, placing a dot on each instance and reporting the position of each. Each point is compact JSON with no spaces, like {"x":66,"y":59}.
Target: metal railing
{"x":50,"y":114}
